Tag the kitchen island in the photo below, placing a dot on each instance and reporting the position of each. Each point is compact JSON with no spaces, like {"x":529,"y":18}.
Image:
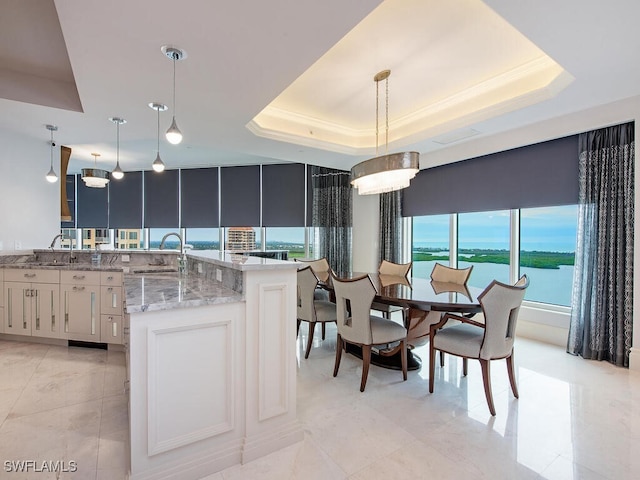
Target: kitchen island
{"x":211,"y":364}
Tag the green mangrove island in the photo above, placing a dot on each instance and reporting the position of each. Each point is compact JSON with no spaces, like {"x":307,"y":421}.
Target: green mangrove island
{"x":534,"y":259}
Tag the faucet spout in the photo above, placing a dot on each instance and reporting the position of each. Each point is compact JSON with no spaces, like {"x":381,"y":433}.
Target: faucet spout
{"x":164,"y":239}
{"x":53,"y":242}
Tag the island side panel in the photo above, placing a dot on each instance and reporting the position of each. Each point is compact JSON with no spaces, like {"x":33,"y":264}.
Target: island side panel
{"x":187,"y":390}
{"x":271,"y":421}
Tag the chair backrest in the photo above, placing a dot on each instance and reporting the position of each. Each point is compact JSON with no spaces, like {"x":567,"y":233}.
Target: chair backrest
{"x":441,"y":273}
{"x":353,"y":304}
{"x":307,"y":282}
{"x":320,"y":265}
{"x":396,"y":269}
{"x":500,"y":305}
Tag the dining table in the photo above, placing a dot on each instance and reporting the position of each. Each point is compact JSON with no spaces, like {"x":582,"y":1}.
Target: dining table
{"x":410,"y":292}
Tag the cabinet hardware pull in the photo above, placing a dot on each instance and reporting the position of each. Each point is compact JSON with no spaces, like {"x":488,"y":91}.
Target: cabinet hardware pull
{"x":109,"y":278}
{"x":77,"y":289}
{"x":78,"y":277}
{"x":29,"y":275}
{"x":110,"y":289}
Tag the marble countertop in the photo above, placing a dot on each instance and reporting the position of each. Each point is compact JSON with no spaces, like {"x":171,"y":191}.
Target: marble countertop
{"x":239,"y":262}
{"x":147,"y":292}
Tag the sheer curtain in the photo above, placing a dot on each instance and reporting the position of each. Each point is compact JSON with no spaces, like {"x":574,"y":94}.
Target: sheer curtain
{"x":602,"y":297}
{"x":332,"y":216}
{"x":391,"y":227}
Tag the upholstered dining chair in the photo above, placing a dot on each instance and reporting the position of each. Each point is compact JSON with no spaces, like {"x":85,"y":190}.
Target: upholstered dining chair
{"x":322,"y":269}
{"x":357,"y":326}
{"x":489,"y":341}
{"x":309,"y":309}
{"x":395,"y":270}
{"x":419,"y":321}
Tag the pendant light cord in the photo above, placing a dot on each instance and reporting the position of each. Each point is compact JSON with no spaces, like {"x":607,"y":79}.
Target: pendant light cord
{"x":386,"y":112}
{"x":118,"y":143}
{"x":158,"y":110}
{"x":51,"y":149}
{"x":174,"y":84}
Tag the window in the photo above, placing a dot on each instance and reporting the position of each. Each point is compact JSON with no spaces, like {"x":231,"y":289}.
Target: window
{"x":547,"y":252}
{"x":430,"y":243}
{"x":286,"y":238}
{"x":483,"y":241}
{"x":243,"y":238}
{"x":156,"y":235}
{"x":203,"y":238}
{"x":68,"y":239}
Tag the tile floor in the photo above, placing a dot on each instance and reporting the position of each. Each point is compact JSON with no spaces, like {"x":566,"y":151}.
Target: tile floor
{"x":575,"y":419}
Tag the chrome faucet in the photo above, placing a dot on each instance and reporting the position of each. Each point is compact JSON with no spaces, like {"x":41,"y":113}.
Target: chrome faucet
{"x":179,"y":238}
{"x":53,"y":242}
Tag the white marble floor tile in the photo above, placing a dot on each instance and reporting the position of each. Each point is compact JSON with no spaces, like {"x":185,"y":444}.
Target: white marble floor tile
{"x":575,"y":419}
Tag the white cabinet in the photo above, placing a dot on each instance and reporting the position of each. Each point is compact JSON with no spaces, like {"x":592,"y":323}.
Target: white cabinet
{"x":111,"y":307}
{"x":32,"y":302}
{"x":80,"y":298}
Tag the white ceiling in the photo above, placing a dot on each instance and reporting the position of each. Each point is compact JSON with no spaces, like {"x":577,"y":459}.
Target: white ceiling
{"x":246,"y":55}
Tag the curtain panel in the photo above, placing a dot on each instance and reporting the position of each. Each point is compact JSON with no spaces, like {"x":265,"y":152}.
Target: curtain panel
{"x":391,"y":227}
{"x":332,"y":216}
{"x":602,"y":297}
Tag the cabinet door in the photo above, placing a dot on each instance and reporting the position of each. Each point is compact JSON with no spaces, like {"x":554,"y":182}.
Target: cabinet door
{"x":110,"y":300}
{"x":81,"y":312}
{"x":111,"y":329}
{"x":45,"y":310}
{"x":17,"y":315}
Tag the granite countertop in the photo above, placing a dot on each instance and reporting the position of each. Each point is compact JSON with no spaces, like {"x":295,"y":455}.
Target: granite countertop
{"x":63,"y":266}
{"x":239,"y":262}
{"x":147,"y":292}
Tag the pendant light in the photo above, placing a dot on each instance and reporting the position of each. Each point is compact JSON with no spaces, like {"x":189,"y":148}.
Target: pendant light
{"x":117,"y":172}
{"x":52,"y":177}
{"x":95,"y":177}
{"x":388,"y":172}
{"x":158,"y":164}
{"x":174,"y":135}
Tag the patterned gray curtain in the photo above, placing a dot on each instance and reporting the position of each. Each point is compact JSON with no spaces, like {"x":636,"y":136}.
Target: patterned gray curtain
{"x":602,"y":297}
{"x":332,"y":216}
{"x":390,"y":227}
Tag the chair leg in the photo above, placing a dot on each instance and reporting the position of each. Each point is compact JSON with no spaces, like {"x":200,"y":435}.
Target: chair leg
{"x":339,"y":346}
{"x":298,"y":328}
{"x":512,"y":376}
{"x":403,"y":356}
{"x":312,"y":327}
{"x":432,"y":364}
{"x":465,"y":364}
{"x":366,"y":360}
{"x":441,"y":359}
{"x":324,"y":330}
{"x":486,"y":378}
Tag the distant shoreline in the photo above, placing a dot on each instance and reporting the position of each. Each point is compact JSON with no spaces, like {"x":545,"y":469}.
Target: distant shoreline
{"x":533,"y":259}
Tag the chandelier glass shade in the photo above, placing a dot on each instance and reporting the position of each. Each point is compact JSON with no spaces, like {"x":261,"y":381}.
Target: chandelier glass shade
{"x":174,"y":135}
{"x":95,"y":177}
{"x":158,"y":164}
{"x":387,"y":172}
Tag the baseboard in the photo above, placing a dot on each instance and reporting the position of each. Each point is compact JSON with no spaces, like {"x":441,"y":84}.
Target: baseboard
{"x":634,"y":359}
{"x":10,"y":337}
{"x":543,"y":333}
{"x":257,"y":446}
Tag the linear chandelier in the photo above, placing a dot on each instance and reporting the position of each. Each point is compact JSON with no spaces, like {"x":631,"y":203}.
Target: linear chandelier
{"x":388,"y":172}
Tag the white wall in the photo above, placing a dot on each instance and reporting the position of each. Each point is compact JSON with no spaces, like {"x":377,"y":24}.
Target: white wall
{"x":29,"y":205}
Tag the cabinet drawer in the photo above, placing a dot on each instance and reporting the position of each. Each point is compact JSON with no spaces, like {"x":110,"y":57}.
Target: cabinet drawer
{"x":111,"y":300}
{"x":111,"y":278}
{"x":79,"y":277}
{"x":111,"y":329}
{"x":31,"y":275}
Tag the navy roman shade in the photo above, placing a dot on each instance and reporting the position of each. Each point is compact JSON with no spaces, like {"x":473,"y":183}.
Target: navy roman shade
{"x":283,"y":195}
{"x":240,"y":196}
{"x":93,"y":206}
{"x":539,"y":175}
{"x":161,"y":199}
{"x":199,"y":198}
{"x":125,"y":201}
